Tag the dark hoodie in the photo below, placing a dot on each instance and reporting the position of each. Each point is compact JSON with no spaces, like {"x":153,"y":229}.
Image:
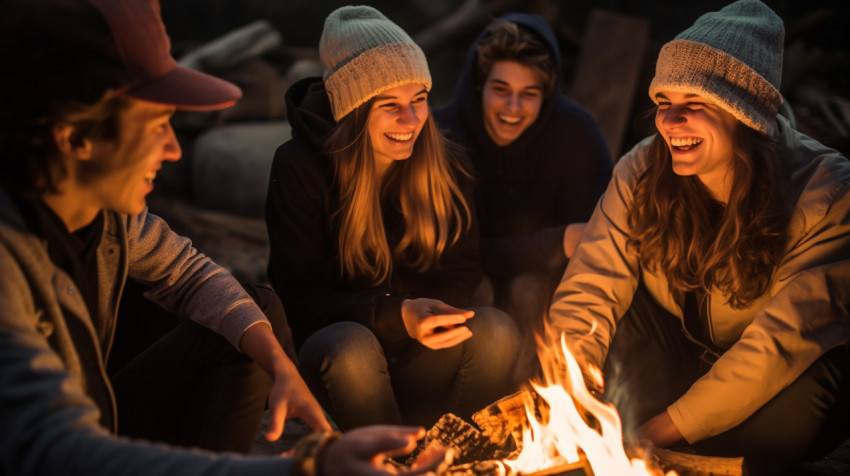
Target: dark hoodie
{"x":530,"y":190}
{"x":304,"y":262}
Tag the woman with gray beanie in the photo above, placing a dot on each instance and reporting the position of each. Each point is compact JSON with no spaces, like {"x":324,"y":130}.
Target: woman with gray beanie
{"x":713,"y":280}
{"x":374,"y":239}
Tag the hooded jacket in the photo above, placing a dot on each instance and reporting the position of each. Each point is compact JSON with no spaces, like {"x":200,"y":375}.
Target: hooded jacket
{"x":57,"y":407}
{"x":529,"y":190}
{"x":766,"y":346}
{"x":304,"y":263}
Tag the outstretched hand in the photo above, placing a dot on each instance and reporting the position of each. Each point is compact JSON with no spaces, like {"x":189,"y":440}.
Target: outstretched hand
{"x":435,"y":324}
{"x":364,"y":451}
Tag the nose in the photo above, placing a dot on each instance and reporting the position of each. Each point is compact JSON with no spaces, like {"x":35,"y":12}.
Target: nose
{"x":407,"y":115}
{"x":514,"y":102}
{"x":171,"y":150}
{"x":673,"y":116}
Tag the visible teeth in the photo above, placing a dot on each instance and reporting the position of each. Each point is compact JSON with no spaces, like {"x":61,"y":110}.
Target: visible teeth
{"x":149,"y":178}
{"x":509,"y":119}
{"x":684,"y":141}
{"x":400,"y":137}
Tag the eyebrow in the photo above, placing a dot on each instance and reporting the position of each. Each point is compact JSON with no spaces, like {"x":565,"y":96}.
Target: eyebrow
{"x":385,"y":96}
{"x":500,"y":81}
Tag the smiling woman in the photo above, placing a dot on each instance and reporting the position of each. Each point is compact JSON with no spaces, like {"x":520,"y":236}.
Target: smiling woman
{"x":712,"y":279}
{"x":374,"y":240}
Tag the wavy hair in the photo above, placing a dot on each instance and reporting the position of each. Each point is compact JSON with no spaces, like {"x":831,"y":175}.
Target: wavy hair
{"x":681,"y":231}
{"x":423,"y":188}
{"x":505,"y":41}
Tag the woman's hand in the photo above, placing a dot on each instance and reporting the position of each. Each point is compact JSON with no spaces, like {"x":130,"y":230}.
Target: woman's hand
{"x":365,"y":451}
{"x":660,"y":430}
{"x":435,"y":324}
{"x":572,"y":235}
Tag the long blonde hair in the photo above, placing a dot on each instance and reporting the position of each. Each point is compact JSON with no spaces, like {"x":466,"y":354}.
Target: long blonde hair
{"x":424,"y":185}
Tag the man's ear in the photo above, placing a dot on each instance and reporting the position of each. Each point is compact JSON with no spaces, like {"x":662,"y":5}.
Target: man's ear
{"x":69,"y":142}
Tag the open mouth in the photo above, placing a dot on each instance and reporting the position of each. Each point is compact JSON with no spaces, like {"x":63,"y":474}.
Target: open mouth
{"x":511,"y":120}
{"x":399,"y":137}
{"x":684,"y":144}
{"x":149,"y":178}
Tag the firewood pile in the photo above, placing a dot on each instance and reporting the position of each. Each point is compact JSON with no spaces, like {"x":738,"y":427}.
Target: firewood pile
{"x":480,"y":448}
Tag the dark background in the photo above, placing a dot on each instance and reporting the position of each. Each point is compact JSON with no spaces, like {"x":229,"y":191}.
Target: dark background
{"x":816,"y":31}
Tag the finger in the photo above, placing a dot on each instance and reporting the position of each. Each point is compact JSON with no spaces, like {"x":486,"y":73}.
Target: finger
{"x":442,"y":320}
{"x":277,"y":417}
{"x":446,"y":339}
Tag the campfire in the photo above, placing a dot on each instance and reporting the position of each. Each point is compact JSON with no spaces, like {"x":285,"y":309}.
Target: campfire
{"x":557,"y":427}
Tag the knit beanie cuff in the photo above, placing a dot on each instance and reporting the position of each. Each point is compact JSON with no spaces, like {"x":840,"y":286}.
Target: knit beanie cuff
{"x":689,"y":66}
{"x":374,"y":71}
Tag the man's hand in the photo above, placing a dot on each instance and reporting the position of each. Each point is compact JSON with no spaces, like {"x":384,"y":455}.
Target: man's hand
{"x":660,"y":430}
{"x":365,"y":451}
{"x":289,"y":396}
{"x":435,"y":324}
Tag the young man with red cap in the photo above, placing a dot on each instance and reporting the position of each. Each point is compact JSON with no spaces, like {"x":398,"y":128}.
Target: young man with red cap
{"x":88,"y":88}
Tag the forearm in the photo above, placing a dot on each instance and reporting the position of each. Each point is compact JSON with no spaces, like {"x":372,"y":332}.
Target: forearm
{"x":260,"y":344}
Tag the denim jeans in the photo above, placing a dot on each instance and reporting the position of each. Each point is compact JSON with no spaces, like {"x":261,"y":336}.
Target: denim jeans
{"x":358,"y":384}
{"x":651,"y":363}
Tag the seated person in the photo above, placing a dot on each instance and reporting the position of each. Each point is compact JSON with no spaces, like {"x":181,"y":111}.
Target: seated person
{"x":713,"y":278}
{"x":374,"y":240}
{"x":540,"y":160}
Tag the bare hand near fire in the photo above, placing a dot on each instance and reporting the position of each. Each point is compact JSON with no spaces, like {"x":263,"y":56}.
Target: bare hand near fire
{"x":290,"y":398}
{"x":435,"y":324}
{"x":661,"y":431}
{"x":364,"y":451}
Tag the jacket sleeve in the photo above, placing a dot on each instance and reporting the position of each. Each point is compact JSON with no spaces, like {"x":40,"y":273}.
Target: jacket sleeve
{"x":186,"y":281}
{"x":805,"y":316}
{"x":601,"y":278}
{"x":302,"y":259}
{"x":49,"y":424}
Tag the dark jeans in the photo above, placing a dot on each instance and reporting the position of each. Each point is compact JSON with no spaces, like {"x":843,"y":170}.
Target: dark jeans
{"x":651,"y":363}
{"x":190,"y":387}
{"x":347,"y":369}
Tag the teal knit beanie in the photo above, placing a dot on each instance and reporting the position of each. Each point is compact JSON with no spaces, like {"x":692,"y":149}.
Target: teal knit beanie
{"x":732,"y":57}
{"x":364,"y":54}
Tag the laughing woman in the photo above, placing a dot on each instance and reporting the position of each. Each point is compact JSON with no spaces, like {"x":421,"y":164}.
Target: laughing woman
{"x":715,"y":272}
{"x":374,"y":242}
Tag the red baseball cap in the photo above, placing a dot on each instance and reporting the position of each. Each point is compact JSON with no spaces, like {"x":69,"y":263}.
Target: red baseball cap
{"x":78,"y":49}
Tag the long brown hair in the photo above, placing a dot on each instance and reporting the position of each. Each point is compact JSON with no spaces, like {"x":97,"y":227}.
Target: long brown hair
{"x":679,"y":230}
{"x":424,"y":186}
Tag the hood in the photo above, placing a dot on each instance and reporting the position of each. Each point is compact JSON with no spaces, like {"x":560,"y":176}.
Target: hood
{"x":466,"y":104}
{"x":308,"y":111}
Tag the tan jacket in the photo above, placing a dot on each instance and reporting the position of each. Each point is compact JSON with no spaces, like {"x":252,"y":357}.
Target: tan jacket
{"x":803,"y":314}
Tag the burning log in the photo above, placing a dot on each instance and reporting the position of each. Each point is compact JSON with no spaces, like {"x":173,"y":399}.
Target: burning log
{"x":468,"y":443}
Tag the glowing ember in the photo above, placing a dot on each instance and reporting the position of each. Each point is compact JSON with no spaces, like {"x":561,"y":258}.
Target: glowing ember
{"x":578,"y":423}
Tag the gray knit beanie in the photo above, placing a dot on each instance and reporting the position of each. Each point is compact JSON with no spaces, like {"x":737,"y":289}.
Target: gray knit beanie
{"x":364,"y":54}
{"x":732,"y":57}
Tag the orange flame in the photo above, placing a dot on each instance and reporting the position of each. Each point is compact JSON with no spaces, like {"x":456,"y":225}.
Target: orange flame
{"x":578,"y":423}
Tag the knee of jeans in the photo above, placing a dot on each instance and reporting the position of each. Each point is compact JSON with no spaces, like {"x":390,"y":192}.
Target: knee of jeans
{"x":492,"y":329}
{"x":344,"y":349}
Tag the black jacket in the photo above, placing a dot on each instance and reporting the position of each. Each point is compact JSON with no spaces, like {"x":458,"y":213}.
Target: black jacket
{"x":304,"y":260}
{"x":529,"y":190}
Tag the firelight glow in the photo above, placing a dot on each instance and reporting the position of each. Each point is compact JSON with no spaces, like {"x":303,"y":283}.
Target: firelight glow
{"x":577,"y":423}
